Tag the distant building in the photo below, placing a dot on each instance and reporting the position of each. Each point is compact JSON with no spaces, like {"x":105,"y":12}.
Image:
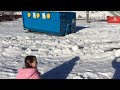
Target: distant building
{"x":9,"y":15}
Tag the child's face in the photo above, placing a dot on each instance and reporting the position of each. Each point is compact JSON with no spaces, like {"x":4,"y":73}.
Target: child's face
{"x":34,"y":64}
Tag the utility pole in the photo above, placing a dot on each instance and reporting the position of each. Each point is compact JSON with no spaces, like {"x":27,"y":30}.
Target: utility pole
{"x":87,"y":16}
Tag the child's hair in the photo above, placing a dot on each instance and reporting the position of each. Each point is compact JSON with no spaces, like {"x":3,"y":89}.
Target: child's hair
{"x":29,"y":59}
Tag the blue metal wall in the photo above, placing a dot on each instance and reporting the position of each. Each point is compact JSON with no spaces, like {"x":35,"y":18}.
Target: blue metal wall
{"x":57,"y":23}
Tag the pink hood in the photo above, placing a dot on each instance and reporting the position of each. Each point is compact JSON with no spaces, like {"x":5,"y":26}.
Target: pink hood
{"x":30,"y":73}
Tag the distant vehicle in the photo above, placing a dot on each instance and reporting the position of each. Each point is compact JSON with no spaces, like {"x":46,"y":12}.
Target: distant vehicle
{"x":8,"y":16}
{"x":59,"y":23}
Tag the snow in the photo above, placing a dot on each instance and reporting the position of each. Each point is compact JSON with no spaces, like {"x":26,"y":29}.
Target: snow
{"x":90,"y":53}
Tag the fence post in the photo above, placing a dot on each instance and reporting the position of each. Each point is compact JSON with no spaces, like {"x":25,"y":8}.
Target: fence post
{"x":87,"y":16}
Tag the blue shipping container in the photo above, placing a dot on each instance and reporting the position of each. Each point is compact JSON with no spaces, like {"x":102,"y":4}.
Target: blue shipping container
{"x":59,"y":23}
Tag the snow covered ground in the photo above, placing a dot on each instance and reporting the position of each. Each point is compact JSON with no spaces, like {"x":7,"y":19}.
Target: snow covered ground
{"x":90,"y":53}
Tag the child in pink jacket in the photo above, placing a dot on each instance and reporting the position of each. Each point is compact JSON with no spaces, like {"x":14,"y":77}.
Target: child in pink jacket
{"x":30,"y":70}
